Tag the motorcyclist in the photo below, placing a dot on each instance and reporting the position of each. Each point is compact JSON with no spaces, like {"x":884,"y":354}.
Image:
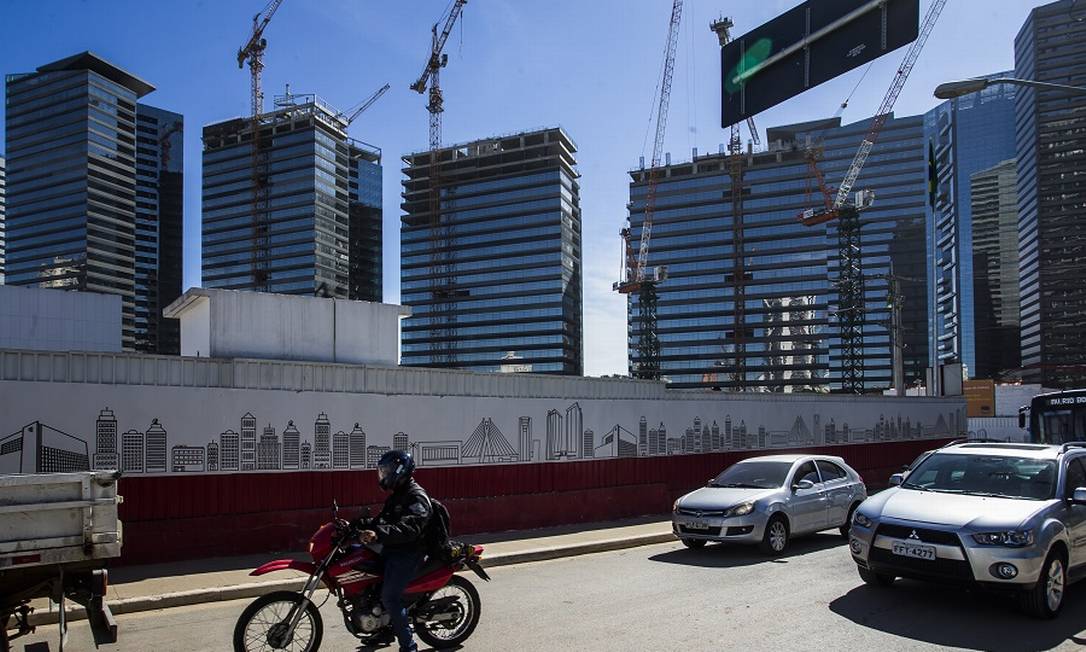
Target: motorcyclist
{"x":399,"y":528}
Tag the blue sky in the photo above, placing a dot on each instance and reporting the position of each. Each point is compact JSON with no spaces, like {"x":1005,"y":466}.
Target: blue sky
{"x":590,"y":66}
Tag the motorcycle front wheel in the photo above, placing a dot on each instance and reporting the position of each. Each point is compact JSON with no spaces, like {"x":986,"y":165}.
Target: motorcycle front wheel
{"x":262,"y":626}
{"x":451,"y":631}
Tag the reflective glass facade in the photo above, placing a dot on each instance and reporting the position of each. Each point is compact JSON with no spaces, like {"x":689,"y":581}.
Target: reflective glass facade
{"x":792,"y":340}
{"x":994,"y":198}
{"x":366,"y":276}
{"x":967,"y":134}
{"x":3,"y":205}
{"x":1050,"y":130}
{"x":299,"y":242}
{"x":497,"y":287}
{"x":86,"y":207}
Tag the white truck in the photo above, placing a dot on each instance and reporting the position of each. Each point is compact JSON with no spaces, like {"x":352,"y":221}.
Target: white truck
{"x":57,"y":530}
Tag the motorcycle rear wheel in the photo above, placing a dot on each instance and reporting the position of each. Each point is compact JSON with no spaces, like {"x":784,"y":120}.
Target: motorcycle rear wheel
{"x":442,"y":636}
{"x":257,"y":625}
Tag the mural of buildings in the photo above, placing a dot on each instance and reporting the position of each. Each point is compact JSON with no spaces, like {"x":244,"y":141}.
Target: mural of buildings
{"x":306,"y":456}
{"x":229,"y":451}
{"x":267,"y":450}
{"x":373,"y":455}
{"x":322,"y":442}
{"x":400,"y":441}
{"x":588,"y":444}
{"x":105,"y":439}
{"x":359,"y":451}
{"x":575,"y":430}
{"x":524,"y":437}
{"x":292,"y":442}
{"x":437,"y":453}
{"x":132,"y":451}
{"x":155,"y":448}
{"x":212,"y":456}
{"x":618,"y":442}
{"x":187,"y":459}
{"x":248,"y":442}
{"x":487,"y":445}
{"x":39,"y":448}
{"x":341,"y":450}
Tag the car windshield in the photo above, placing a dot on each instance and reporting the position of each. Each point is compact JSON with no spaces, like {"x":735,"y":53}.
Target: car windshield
{"x":753,"y":475}
{"x":1001,"y":476}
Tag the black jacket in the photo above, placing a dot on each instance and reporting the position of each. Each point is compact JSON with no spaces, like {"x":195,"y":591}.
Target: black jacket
{"x":403,"y":519}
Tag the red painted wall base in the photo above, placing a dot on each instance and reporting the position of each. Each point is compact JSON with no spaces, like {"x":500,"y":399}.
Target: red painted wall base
{"x":175,"y":518}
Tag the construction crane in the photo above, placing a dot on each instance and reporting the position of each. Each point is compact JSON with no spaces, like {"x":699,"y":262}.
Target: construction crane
{"x":352,"y":113}
{"x":253,"y":52}
{"x":442,"y":290}
{"x":850,"y":278}
{"x":634,"y":275}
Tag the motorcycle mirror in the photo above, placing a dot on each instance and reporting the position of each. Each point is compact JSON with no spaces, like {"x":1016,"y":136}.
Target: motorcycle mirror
{"x":335,"y":508}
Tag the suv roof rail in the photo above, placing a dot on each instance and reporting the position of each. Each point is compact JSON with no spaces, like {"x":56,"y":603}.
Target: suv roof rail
{"x":1067,"y":445}
{"x":978,"y":440}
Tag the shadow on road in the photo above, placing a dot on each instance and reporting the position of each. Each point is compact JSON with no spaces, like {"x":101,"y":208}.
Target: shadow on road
{"x":726,"y":555}
{"x":960,"y":618}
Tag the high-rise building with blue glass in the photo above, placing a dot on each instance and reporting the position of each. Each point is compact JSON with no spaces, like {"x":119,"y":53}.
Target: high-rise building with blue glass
{"x":1050,"y":130}
{"x":90,"y":205}
{"x":966,"y":135}
{"x":365,"y":246}
{"x":494,"y":281}
{"x":791,"y":337}
{"x":281,"y":220}
{"x":3,"y":207}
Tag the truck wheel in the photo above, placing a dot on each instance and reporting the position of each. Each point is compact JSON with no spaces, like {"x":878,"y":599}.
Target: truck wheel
{"x":1044,"y":599}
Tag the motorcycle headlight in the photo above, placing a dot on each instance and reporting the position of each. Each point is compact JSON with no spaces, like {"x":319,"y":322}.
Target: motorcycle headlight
{"x":1012,"y":538}
{"x":740,"y":510}
{"x":861,"y":520}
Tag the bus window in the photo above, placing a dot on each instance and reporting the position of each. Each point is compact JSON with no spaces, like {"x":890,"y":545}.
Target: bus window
{"x":1061,"y":426}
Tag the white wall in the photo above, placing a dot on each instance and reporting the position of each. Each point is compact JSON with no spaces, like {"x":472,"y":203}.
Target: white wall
{"x":196,"y":329}
{"x":58,"y":320}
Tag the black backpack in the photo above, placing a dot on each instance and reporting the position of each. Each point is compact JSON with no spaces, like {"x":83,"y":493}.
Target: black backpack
{"x":436,"y":535}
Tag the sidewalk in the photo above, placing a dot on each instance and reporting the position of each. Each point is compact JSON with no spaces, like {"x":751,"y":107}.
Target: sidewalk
{"x":160,"y":586}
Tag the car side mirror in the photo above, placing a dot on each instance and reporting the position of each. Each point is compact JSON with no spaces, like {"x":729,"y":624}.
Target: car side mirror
{"x":897,"y":479}
{"x":1078,"y":496}
{"x":803,"y":484}
{"x":710,"y":482}
{"x":904,"y":468}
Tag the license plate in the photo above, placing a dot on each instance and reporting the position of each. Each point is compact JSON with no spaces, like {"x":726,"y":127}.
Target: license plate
{"x":697,"y":525}
{"x":913,"y":550}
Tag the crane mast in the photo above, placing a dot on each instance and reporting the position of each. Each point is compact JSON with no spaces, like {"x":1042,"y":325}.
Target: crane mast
{"x":350,"y":115}
{"x":253,"y":51}
{"x":442,"y":290}
{"x":634,"y":277}
{"x":850,"y":283}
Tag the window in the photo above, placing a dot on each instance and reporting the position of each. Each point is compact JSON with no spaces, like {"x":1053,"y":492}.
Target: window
{"x":831,"y":471}
{"x":1076,"y":477}
{"x":806,"y":472}
{"x":757,"y":475}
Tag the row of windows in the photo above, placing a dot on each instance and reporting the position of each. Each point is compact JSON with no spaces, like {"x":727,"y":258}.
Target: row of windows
{"x":412,"y":330}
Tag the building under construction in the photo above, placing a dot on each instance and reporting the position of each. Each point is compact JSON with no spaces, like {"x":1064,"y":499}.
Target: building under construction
{"x":790,"y":336}
{"x":301,"y":214}
{"x":491,"y":262}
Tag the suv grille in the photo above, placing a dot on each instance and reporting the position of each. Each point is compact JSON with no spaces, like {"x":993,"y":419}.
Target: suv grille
{"x":925,"y":535}
{"x":938,"y":569}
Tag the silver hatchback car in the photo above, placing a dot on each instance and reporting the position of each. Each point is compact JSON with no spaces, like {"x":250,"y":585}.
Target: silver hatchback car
{"x":1006,"y":516}
{"x":767,"y":500}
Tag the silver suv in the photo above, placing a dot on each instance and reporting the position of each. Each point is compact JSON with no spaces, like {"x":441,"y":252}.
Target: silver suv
{"x":1008,"y":516}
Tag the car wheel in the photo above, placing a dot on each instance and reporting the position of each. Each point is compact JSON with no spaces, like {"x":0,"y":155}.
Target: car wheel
{"x":1044,"y":599}
{"x":848,"y":521}
{"x":873,"y":578}
{"x":775,"y":538}
{"x":694,"y":543}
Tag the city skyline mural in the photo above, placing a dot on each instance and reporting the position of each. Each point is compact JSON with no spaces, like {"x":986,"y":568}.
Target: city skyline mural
{"x":199,"y":430}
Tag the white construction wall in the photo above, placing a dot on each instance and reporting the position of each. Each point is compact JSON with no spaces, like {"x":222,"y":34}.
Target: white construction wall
{"x":57,"y":320}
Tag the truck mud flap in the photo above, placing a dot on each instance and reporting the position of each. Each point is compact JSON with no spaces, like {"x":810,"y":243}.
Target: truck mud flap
{"x":102,"y":623}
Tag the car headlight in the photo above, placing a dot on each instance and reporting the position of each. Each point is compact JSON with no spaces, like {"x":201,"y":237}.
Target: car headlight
{"x":1012,"y":538}
{"x":740,"y":510}
{"x":675,"y":507}
{"x":861,"y":520}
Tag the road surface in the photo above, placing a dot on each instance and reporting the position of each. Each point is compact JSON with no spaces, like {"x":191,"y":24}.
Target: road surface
{"x":665,"y":597}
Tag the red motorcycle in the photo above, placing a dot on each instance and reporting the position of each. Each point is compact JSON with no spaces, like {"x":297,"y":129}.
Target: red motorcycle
{"x":443,"y":606}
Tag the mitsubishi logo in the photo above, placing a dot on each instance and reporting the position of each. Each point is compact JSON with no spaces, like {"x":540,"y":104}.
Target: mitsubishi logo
{"x":697,"y":514}
{"x":914,"y":535}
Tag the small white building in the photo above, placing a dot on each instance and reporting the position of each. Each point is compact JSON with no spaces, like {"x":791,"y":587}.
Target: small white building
{"x":45,"y":319}
{"x":236,"y":324}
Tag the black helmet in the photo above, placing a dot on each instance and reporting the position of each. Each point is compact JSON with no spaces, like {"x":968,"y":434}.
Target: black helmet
{"x":394,"y":469}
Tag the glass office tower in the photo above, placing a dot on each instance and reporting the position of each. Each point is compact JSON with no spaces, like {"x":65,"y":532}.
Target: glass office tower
{"x":792,"y":337}
{"x":966,"y":134}
{"x":3,"y":208}
{"x":84,"y":200}
{"x":496,"y":284}
{"x":1050,"y":141}
{"x":365,"y":246}
{"x":280,"y":221}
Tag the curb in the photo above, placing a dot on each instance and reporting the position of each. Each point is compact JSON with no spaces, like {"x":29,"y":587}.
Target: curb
{"x":254,"y":589}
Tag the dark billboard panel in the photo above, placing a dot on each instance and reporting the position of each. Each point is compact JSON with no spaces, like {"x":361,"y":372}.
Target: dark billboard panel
{"x":809,"y":45}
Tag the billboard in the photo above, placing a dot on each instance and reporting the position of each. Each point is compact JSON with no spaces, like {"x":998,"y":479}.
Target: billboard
{"x":979,"y":398}
{"x":806,"y":46}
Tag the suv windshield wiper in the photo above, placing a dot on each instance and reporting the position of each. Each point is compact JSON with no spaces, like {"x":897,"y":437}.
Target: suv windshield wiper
{"x":913,"y":485}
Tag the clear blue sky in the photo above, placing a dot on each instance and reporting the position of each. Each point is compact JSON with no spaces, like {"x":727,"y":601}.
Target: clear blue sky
{"x":588,"y":66}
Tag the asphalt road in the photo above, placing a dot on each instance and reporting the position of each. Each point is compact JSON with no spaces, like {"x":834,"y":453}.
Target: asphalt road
{"x":665,"y":597}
